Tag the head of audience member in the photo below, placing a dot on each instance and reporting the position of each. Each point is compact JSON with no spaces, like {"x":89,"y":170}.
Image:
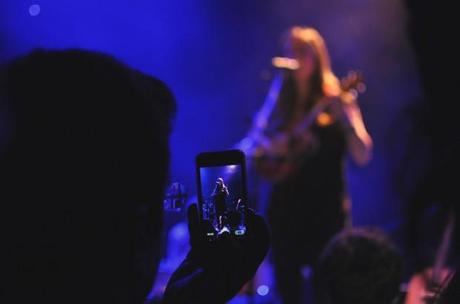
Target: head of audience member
{"x":84,"y":158}
{"x":359,"y":266}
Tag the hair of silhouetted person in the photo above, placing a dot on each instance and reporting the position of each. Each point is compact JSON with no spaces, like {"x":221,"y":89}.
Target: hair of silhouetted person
{"x":359,"y":266}
{"x":84,"y":156}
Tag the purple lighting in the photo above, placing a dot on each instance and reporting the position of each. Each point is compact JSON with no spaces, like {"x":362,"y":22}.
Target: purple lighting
{"x":34,"y":10}
{"x":263,"y":290}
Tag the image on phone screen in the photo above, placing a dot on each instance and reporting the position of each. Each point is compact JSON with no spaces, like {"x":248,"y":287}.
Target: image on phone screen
{"x":223,"y":198}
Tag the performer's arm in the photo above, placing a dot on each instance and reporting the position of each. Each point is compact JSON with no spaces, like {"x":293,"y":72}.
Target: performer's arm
{"x":359,"y":142}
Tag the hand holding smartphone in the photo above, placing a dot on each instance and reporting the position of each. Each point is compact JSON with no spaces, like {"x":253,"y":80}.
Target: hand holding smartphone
{"x":222,"y":192}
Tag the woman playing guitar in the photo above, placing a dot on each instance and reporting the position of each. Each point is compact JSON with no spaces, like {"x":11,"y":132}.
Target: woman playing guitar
{"x":301,"y":149}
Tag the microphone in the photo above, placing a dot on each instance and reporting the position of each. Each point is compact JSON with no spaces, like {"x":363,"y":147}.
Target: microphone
{"x":285,"y":63}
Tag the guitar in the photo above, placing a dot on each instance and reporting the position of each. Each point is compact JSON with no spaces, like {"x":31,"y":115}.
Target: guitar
{"x":425,"y":287}
{"x":278,"y":157}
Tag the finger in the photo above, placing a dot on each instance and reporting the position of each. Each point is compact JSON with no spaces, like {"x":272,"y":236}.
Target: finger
{"x":193,"y":223}
{"x":258,"y":233}
{"x":249,"y":215}
{"x":262,"y":233}
{"x":193,"y":218}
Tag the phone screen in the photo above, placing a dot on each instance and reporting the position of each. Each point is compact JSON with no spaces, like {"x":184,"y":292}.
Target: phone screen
{"x":222,"y":196}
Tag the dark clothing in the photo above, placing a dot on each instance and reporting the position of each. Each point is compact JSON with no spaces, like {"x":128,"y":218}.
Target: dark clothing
{"x":219,"y":203}
{"x":306,"y":209}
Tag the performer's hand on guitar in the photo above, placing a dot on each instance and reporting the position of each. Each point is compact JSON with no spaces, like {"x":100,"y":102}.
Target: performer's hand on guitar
{"x":342,"y":110}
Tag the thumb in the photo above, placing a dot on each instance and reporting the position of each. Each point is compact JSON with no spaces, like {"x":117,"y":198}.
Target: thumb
{"x":193,"y":223}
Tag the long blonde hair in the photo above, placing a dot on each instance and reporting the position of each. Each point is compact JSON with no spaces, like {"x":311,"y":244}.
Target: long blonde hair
{"x":301,"y":37}
{"x":323,"y":81}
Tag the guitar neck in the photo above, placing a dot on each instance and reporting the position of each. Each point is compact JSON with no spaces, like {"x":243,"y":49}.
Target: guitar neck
{"x":310,"y":119}
{"x":443,"y":250}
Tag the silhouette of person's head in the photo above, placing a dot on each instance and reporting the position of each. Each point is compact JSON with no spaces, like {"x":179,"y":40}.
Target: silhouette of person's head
{"x":359,"y":266}
{"x":83,"y":164}
{"x":220,"y":188}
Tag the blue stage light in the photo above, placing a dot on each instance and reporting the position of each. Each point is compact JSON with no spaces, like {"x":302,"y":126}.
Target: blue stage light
{"x":34,"y":10}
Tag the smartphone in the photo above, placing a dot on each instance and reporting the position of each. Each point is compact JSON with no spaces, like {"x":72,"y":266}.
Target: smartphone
{"x":222,"y":192}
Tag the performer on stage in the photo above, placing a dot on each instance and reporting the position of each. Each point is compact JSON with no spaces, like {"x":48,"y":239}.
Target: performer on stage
{"x":219,"y":197}
{"x":306,"y":205}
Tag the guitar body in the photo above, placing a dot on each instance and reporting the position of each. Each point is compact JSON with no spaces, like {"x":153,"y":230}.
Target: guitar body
{"x":275,"y":171}
{"x":283,"y":155}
